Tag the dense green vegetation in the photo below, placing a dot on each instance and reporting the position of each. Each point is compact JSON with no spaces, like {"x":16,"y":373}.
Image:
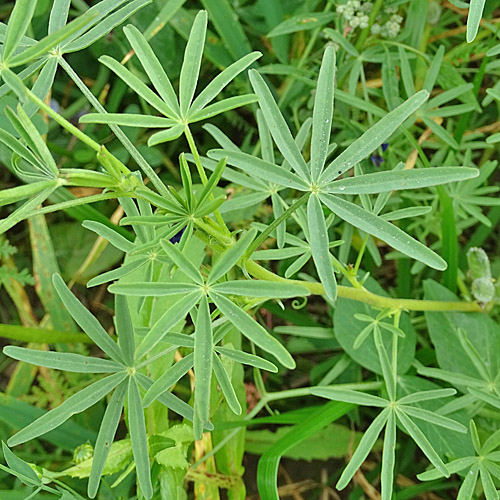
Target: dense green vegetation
{"x":248,"y":249}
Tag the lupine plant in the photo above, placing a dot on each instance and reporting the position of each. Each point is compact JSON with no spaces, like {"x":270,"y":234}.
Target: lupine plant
{"x":295,"y":260}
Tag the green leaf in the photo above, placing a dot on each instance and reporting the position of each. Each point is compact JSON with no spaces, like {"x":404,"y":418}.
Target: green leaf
{"x":247,"y":359}
{"x":192,"y":62}
{"x":203,"y":359}
{"x":373,"y":137}
{"x":211,"y":184}
{"x":259,"y":288}
{"x":433,"y":72}
{"x":20,"y":466}
{"x":139,"y":439}
{"x":175,"y":313}
{"x":453,"y":467}
{"x":366,"y":444}
{"x":252,"y":165}
{"x":136,"y":84}
{"x":318,"y":239}
{"x":106,"y":435}
{"x":267,"y":472}
{"x":277,"y":125}
{"x":466,"y":491}
{"x":117,"y":273}
{"x":228,"y":259}
{"x":221,"y":107}
{"x":399,"y":240}
{"x":19,"y":20}
{"x":388,"y":371}
{"x":128,"y":120}
{"x":124,"y":329}
{"x":166,"y":135}
{"x":13,"y":195}
{"x":87,"y":322}
{"x":301,"y":22}
{"x":432,"y":418}
{"x":441,"y":132}
{"x":149,"y":289}
{"x":63,"y":360}
{"x":490,"y":490}
{"x":392,"y":180}
{"x":323,"y":112}
{"x":252,"y":330}
{"x":115,"y":238}
{"x":153,"y":68}
{"x":226,"y":385}
{"x":74,"y":404}
{"x":417,"y":397}
{"x":388,"y":458}
{"x":213,"y":89}
{"x":474,"y":18}
{"x":422,"y":442}
{"x":168,"y":379}
{"x":349,"y":396}
{"x":181,"y":261}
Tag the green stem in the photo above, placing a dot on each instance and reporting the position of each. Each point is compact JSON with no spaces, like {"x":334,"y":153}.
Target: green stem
{"x":366,"y":31}
{"x":363,"y":295}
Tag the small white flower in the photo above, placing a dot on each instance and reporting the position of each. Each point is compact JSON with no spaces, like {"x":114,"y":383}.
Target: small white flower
{"x":367,"y":7}
{"x":354,"y":22}
{"x":363,"y":21}
{"x":396,"y":19}
{"x":356,"y":4}
{"x":376,"y":28}
{"x":390,"y":10}
{"x":340,"y":9}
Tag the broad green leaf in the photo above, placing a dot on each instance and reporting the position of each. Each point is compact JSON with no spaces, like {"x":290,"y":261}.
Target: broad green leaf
{"x":169,"y":378}
{"x":252,"y":330}
{"x":168,"y":320}
{"x":66,"y":361}
{"x":128,"y":120}
{"x":116,"y":239}
{"x":247,"y":359}
{"x":388,"y":458}
{"x":124,"y":329}
{"x":149,"y":289}
{"x":19,"y":20}
{"x":349,"y":396}
{"x":373,"y":137}
{"x":74,"y":404}
{"x":192,"y":62}
{"x":277,"y":125}
{"x":391,"y":234}
{"x":88,"y":323}
{"x":226,"y":385}
{"x":182,"y":261}
{"x":153,"y":68}
{"x":422,"y":442}
{"x":106,"y":435}
{"x":323,"y":112}
{"x":318,"y":239}
{"x":139,"y":439}
{"x":252,"y":165}
{"x":474,"y":18}
{"x":228,"y":259}
{"x":213,"y":89}
{"x":259,"y":288}
{"x":136,"y":84}
{"x":203,"y":359}
{"x":366,"y":444}
{"x":391,"y":180}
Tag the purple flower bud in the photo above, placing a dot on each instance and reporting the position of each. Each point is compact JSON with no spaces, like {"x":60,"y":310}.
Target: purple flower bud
{"x":178,"y":236}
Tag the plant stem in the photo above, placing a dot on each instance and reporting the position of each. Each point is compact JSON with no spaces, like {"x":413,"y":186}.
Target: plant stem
{"x":363,"y":295}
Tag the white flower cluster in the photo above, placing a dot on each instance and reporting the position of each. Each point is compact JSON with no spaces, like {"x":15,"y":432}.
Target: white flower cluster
{"x":391,"y":27}
{"x":355,"y":13}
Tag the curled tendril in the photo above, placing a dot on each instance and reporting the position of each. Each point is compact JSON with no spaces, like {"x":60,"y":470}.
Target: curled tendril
{"x":298,"y":304}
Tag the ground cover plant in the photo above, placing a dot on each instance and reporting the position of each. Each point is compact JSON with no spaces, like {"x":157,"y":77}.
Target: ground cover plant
{"x":249,"y":249}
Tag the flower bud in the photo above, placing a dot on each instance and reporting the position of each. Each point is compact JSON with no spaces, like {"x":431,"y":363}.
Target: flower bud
{"x":483,"y":290}
{"x":479,"y":264}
